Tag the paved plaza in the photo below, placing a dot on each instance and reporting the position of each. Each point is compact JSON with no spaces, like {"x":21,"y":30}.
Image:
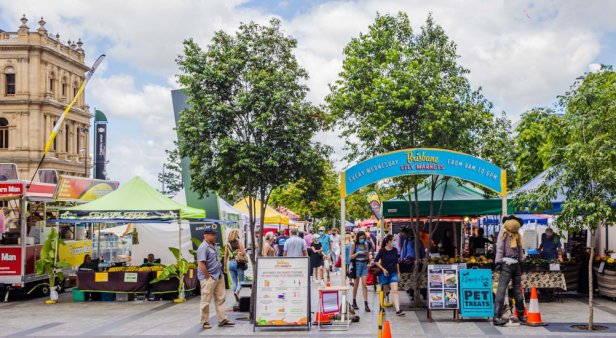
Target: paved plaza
{"x":32,"y":318}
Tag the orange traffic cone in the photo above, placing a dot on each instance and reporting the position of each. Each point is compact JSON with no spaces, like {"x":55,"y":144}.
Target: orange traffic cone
{"x":515,"y":311}
{"x":321,"y":318}
{"x":386,"y":330}
{"x":534,"y":315}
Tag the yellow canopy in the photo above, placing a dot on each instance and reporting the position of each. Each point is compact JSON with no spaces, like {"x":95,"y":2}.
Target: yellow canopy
{"x":271,"y":216}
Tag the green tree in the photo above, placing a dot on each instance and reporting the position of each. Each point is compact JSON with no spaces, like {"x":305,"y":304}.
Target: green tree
{"x":249,"y":127}
{"x":171,"y":176}
{"x":498,"y":148}
{"x":534,"y":135}
{"x":585,"y":174}
{"x":402,"y":90}
{"x":320,"y":202}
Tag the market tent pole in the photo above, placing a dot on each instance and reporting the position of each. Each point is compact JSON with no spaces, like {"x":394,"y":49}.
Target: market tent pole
{"x":98,"y":243}
{"x":343,"y":246}
{"x":23,"y":205}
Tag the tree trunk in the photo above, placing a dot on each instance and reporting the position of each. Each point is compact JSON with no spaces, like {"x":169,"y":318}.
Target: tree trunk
{"x":416,"y":289}
{"x":593,"y":234}
{"x":253,"y":257}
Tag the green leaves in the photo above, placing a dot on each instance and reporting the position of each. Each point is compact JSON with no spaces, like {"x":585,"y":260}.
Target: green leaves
{"x":177,"y":270}
{"x":403,"y":90}
{"x":583,"y":147}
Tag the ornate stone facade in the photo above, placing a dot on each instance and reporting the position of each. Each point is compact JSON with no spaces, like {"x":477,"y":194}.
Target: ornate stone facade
{"x":39,"y":77}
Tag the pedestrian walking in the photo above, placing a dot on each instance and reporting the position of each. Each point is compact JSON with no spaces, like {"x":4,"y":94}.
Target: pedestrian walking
{"x":335,"y":238}
{"x":360,"y":255}
{"x":308,"y":238}
{"x":279,"y":243}
{"x":387,"y":260}
{"x":326,"y":245}
{"x":236,"y":261}
{"x":294,"y":246}
{"x":210,"y":274}
{"x":316,"y":260}
{"x":508,"y":256}
{"x":268,"y":245}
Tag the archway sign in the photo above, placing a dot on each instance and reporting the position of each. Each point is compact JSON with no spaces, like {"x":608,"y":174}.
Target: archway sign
{"x":419,"y":161}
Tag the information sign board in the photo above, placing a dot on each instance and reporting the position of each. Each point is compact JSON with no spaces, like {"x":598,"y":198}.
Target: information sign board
{"x":476,"y":293}
{"x":443,"y":287}
{"x":283,"y":292}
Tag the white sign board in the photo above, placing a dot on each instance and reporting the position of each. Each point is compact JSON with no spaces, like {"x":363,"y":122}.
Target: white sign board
{"x":443,"y":287}
{"x":283,"y":291}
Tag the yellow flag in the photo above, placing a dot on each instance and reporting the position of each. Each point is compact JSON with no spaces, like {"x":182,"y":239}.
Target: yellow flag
{"x":58,"y":125}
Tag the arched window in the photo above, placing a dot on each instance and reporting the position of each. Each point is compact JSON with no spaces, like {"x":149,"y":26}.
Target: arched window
{"x":4,"y":133}
{"x":9,"y":76}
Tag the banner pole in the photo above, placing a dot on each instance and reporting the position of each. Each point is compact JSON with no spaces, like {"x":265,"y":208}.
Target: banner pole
{"x":343,"y":266}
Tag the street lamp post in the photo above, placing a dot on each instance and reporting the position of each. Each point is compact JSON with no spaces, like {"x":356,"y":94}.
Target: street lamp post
{"x":85,"y":161}
{"x":85,"y":152}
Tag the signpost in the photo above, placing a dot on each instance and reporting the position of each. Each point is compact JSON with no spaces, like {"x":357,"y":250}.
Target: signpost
{"x":476,"y":293}
{"x":283,"y":292}
{"x":443,"y":288}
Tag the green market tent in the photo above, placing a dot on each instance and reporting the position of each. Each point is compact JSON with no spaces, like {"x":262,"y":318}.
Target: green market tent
{"x":132,"y":202}
{"x":461,"y":199}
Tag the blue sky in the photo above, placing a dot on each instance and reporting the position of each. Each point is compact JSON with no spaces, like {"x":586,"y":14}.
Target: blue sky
{"x":521,"y":53}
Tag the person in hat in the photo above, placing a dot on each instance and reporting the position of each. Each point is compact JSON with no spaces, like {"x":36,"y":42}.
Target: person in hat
{"x":210,"y":274}
{"x":508,"y":257}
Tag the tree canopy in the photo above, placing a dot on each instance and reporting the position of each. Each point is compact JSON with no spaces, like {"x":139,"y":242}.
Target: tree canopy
{"x":249,"y":127}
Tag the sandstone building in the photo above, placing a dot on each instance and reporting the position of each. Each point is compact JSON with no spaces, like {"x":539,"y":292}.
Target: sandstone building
{"x":39,"y":76}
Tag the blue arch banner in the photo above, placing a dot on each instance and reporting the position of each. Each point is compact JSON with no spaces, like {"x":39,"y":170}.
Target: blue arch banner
{"x":423,"y":161}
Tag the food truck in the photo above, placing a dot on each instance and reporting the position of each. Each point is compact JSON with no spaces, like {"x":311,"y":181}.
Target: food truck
{"x":25,"y":208}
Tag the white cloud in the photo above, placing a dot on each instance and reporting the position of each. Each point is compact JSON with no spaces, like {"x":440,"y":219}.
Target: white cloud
{"x":522,"y":54}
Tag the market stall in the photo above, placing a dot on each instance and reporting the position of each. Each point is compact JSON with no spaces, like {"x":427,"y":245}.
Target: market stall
{"x":273,"y":220}
{"x":139,"y":204}
{"x":27,"y":205}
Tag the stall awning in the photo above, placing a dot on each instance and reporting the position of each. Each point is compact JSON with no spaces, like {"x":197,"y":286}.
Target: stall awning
{"x":136,"y":200}
{"x":461,"y":199}
{"x":271,"y":216}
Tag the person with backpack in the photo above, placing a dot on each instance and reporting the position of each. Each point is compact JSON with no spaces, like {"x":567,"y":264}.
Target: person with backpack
{"x":387,"y":260}
{"x":360,"y":256}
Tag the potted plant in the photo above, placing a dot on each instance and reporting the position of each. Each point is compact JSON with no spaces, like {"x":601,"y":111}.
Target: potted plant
{"x":177,"y":270}
{"x":49,"y":264}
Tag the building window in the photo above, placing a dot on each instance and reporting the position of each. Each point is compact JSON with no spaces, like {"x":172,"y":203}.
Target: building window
{"x":4,"y":133}
{"x":75,"y":89}
{"x":51,"y":88}
{"x":78,"y":139}
{"x":9,"y":74}
{"x":66,"y":138}
{"x":55,"y":139}
{"x":64,"y":89}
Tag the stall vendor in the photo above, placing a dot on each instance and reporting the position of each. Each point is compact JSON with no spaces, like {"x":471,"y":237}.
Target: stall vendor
{"x":88,"y":263}
{"x":150,"y":260}
{"x":478,"y":244}
{"x":550,"y":246}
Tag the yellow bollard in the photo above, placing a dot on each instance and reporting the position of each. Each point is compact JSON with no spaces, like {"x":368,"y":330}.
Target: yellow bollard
{"x":381,"y":311}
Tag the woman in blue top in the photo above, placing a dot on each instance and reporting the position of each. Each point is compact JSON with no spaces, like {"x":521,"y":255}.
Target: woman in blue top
{"x":360,"y":255}
{"x":387,"y":260}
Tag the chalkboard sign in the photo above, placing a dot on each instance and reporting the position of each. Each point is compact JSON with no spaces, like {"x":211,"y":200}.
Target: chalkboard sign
{"x":476,"y":293}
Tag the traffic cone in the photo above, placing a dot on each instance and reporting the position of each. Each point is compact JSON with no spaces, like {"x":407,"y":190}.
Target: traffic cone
{"x":515,"y":311}
{"x":321,"y":318}
{"x":534,"y":315}
{"x":386,"y":330}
